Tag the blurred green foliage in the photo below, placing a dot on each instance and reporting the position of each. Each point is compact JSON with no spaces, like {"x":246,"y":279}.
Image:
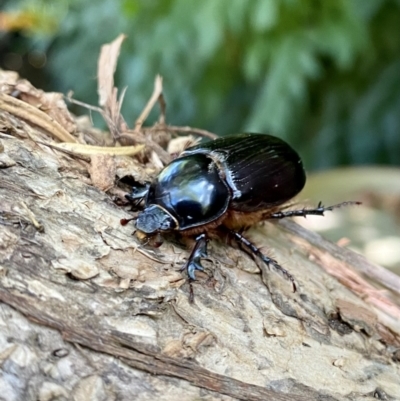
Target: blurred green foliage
{"x":324,"y":74}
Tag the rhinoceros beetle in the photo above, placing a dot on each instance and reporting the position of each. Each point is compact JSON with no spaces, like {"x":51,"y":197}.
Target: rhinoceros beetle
{"x":224,"y":186}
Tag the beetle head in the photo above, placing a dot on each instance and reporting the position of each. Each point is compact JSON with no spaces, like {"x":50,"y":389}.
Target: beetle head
{"x":154,"y":219}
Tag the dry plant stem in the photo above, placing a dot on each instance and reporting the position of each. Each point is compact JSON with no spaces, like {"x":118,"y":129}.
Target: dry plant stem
{"x":106,"y":66}
{"x":108,"y":94}
{"x":164,"y":156}
{"x":34,"y":116}
{"x":147,"y":254}
{"x":82,"y":104}
{"x":32,"y":218}
{"x":66,"y":151}
{"x":138,"y":137}
{"x":114,"y":126}
{"x":150,"y":104}
{"x":112,"y":116}
{"x":186,"y":130}
{"x":120,"y":101}
{"x":81,"y":149}
{"x":163,"y":107}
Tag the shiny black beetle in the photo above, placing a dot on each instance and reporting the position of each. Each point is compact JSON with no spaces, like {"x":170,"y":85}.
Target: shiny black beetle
{"x":224,"y":186}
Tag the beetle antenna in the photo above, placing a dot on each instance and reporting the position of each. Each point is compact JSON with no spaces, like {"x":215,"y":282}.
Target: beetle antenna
{"x":268,"y":261}
{"x":124,"y":222}
{"x":318,"y":211}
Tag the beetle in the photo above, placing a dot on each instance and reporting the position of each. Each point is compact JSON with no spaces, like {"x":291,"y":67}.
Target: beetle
{"x":224,"y":186}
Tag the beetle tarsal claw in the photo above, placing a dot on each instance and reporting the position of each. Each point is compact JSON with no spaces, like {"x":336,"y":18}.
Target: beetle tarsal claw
{"x":199,"y":251}
{"x":278,"y":267}
{"x":192,"y":267}
{"x":268,"y":261}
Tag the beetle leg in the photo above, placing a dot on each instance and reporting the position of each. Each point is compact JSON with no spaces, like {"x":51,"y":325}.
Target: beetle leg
{"x":138,"y":194}
{"x":268,"y":261}
{"x":318,"y":211}
{"x":199,"y":251}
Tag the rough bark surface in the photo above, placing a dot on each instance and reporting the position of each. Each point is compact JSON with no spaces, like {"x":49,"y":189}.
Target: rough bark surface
{"x":86,"y":315}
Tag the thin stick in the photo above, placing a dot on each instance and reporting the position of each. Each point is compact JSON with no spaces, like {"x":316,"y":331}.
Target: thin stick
{"x":32,"y":218}
{"x":147,"y":254}
{"x":164,"y":156}
{"x":66,"y":151}
{"x":163,"y":107}
{"x":85,"y":105}
{"x":150,"y":104}
{"x":35,"y":116}
{"x":175,"y":128}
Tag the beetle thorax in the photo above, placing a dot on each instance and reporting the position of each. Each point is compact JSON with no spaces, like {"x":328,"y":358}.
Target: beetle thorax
{"x":190,"y":190}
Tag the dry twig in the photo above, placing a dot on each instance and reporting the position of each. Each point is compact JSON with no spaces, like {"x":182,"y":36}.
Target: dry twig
{"x":186,"y":130}
{"x":157,"y":92}
{"x":34,"y":116}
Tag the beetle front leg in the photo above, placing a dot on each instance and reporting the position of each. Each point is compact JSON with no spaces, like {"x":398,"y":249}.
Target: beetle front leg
{"x":138,"y":194}
{"x":268,"y":261}
{"x":199,"y":251}
{"x":318,"y":211}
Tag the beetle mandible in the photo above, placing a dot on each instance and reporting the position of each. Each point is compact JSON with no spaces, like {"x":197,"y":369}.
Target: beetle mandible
{"x":224,"y":186}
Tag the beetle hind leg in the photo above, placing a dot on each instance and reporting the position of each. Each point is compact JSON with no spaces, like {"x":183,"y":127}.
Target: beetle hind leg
{"x":318,"y":211}
{"x":239,"y":238}
{"x":199,"y":251}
